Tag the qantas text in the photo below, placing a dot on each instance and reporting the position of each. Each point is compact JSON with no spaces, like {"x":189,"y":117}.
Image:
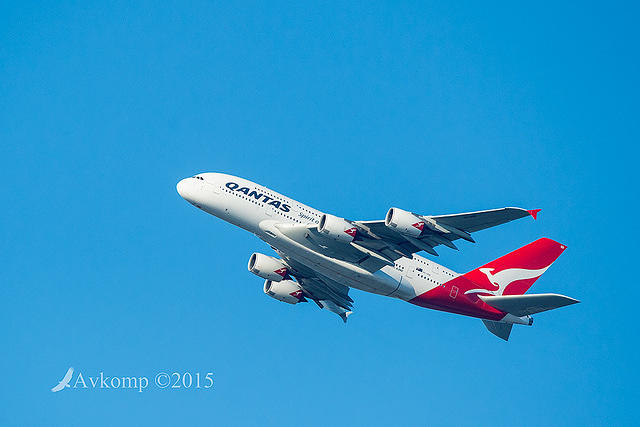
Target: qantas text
{"x":253,"y":193}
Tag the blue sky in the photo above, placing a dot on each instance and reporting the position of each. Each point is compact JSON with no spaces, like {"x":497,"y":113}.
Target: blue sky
{"x":350,"y":108}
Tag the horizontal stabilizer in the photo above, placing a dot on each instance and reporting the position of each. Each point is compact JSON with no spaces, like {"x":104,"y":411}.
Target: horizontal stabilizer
{"x":499,"y":329}
{"x":522,"y":305}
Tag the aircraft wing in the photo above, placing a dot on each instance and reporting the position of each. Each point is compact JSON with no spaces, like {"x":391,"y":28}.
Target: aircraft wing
{"x":476,"y":221}
{"x":325,"y":292}
{"x":443,"y":229}
{"x":375,"y":244}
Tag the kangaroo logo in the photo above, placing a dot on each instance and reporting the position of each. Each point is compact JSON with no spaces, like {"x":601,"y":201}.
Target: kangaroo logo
{"x":351,"y":231}
{"x":504,"y":278}
{"x":282,"y":272}
{"x":64,"y":382}
{"x":296,"y":294}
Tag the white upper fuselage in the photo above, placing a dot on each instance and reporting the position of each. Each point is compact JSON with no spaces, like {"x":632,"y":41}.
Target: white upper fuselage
{"x":264,"y":212}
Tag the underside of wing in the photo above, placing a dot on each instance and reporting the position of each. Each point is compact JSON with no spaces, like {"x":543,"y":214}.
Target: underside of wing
{"x":370,"y":254}
{"x":413,"y":232}
{"x":325,"y":292}
{"x":374,"y":244}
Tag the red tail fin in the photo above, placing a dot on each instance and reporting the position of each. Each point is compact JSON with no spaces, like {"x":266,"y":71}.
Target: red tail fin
{"x":514,"y":273}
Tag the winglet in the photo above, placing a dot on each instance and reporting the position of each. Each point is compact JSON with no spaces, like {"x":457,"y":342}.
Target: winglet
{"x":534,"y":213}
{"x":345,"y":315}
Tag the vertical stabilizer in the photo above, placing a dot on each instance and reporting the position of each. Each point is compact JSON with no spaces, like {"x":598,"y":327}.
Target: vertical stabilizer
{"x":514,"y":273}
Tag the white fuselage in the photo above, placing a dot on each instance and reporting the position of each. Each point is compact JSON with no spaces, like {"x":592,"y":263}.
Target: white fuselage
{"x":267,"y":213}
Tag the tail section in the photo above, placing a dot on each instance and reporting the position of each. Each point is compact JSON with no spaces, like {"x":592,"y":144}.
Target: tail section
{"x":495,"y":292}
{"x":502,"y":283}
{"x":514,"y":273}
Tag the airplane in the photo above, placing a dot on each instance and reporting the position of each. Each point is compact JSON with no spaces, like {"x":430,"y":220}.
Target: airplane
{"x":322,"y":256}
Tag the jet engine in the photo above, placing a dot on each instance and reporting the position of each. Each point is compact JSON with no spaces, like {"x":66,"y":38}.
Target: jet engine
{"x":285,"y":290}
{"x":404,"y":222}
{"x":336,"y":228}
{"x":267,"y":267}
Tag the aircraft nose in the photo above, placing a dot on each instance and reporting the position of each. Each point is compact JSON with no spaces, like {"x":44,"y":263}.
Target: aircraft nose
{"x":183,"y":188}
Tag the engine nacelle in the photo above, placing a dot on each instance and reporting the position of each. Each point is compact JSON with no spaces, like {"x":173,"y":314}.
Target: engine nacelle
{"x":336,"y":228}
{"x":404,"y":222}
{"x":285,"y":290}
{"x":268,"y":267}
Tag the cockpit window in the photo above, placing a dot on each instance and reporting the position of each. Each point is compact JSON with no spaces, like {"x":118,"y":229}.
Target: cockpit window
{"x":198,"y":177}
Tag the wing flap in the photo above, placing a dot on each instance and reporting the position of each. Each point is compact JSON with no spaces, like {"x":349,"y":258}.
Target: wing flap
{"x":322,"y":290}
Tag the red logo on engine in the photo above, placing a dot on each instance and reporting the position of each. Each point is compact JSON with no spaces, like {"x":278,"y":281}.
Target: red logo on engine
{"x":296,"y":294}
{"x":281,"y":271}
{"x":419,"y":225}
{"x":351,"y":232}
